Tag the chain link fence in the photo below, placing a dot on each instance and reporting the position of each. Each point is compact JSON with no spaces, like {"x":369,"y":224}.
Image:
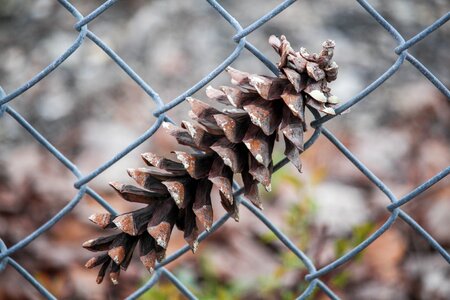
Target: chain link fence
{"x":83,"y":180}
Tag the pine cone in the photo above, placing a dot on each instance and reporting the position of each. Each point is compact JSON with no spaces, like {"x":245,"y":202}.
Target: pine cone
{"x":236,"y":140}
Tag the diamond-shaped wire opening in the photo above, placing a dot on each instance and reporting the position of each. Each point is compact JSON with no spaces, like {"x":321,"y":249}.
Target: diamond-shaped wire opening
{"x":49,"y":66}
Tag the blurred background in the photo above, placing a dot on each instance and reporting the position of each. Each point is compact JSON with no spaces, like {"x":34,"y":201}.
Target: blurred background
{"x":90,"y":110}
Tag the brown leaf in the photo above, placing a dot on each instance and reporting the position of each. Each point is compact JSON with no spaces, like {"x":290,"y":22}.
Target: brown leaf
{"x":386,"y":255}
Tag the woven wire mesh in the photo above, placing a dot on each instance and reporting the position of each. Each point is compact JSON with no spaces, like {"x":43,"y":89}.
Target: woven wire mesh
{"x":82,"y":180}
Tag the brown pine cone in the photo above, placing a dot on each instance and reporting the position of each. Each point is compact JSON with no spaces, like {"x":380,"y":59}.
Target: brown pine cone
{"x":235,"y":140}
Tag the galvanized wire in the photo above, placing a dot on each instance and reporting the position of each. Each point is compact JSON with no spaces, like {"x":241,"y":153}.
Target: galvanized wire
{"x":82,"y":180}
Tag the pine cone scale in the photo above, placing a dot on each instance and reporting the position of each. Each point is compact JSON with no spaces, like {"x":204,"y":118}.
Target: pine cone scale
{"x":202,"y":207}
{"x":264,"y":115}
